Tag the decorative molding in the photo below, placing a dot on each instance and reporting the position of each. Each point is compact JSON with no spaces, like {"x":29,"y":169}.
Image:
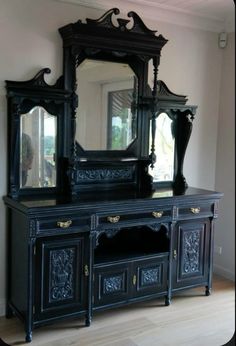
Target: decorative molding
{"x":159,"y":12}
{"x":191,"y":252}
{"x":113,"y":284}
{"x":150,"y":276}
{"x":61,"y":280}
{"x":106,"y":21}
{"x":104,"y":174}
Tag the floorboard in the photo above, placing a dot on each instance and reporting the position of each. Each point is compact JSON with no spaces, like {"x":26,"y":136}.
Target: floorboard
{"x":191,"y":320}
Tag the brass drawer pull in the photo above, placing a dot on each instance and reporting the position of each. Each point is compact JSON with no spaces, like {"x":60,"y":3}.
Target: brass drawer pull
{"x":113,"y":219}
{"x":134,"y":280}
{"x":64,"y":224}
{"x":157,"y":214}
{"x":175,"y":255}
{"x":86,"y":270}
{"x":195,"y":210}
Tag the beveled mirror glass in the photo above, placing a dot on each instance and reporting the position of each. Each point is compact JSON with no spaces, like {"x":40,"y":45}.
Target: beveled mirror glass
{"x":106,"y":115}
{"x":164,"y":149}
{"x":38,"y":131}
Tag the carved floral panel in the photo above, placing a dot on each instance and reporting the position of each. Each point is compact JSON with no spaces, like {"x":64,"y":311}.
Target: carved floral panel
{"x":191,"y":251}
{"x":61,"y":275}
{"x":113,"y":284}
{"x":150,"y":276}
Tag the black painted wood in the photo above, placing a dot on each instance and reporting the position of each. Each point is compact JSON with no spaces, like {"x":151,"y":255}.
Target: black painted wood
{"x":22,"y":97}
{"x":106,"y":236}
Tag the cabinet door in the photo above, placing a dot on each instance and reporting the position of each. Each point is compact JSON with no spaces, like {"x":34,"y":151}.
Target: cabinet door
{"x":191,"y":253}
{"x":150,"y":276}
{"x":111,"y":284}
{"x":60,"y":281}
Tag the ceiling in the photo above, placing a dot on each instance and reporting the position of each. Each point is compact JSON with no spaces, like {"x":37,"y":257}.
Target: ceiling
{"x":213,"y":15}
{"x":218,"y":9}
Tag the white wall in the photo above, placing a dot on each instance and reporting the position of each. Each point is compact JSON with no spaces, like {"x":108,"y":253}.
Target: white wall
{"x":190,"y":64}
{"x":225,"y":165}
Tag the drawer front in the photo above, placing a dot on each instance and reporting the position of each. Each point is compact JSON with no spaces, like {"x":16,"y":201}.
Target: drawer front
{"x":111,"y":284}
{"x":141,"y":217}
{"x":195,"y":210}
{"x":63,"y":224}
{"x":150,"y":275}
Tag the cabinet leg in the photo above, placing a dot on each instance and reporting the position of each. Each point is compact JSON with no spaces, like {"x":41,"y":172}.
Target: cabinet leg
{"x":28,"y":336}
{"x":208,"y":291}
{"x":167,"y":300}
{"x":88,"y":320}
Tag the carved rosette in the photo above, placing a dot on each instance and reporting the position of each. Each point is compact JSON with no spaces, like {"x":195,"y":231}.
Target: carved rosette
{"x":112,"y":284}
{"x":150,"y":276}
{"x":61,"y":275}
{"x":191,"y":252}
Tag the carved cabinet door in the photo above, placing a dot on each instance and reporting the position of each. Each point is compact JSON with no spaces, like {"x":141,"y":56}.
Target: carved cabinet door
{"x":60,"y":281}
{"x":191,"y":253}
{"x":149,"y":276}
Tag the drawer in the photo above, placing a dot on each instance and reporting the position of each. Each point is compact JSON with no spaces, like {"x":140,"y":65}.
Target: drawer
{"x":63,"y":224}
{"x":141,"y":217}
{"x":195,"y":210}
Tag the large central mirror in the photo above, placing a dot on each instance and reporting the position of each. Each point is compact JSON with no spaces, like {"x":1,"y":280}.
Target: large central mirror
{"x":107,"y":112}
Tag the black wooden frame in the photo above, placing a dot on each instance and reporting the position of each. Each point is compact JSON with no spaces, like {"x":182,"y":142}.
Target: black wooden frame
{"x":101,"y":39}
{"x":22,"y":97}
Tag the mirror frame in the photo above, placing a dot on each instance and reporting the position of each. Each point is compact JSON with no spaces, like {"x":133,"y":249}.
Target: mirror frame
{"x":84,"y":151}
{"x":119,"y":40}
{"x":22,"y":97}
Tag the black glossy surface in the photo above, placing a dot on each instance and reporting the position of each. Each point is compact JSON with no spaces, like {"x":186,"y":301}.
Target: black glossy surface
{"x":104,"y":197}
{"x":104,"y":242}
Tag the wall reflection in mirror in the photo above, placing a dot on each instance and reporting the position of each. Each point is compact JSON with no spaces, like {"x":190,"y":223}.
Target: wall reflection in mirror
{"x":38,"y":131}
{"x":164,"y":149}
{"x":107,"y":114}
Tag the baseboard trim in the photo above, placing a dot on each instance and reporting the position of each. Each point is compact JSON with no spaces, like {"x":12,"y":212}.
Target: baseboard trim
{"x":2,"y":307}
{"x":228,"y":274}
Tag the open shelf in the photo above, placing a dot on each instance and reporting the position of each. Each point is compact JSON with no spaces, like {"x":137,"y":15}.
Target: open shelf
{"x":130,"y":243}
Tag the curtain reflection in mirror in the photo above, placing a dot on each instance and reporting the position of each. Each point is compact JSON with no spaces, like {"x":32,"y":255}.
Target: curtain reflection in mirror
{"x":164,"y":150}
{"x":37,"y":149}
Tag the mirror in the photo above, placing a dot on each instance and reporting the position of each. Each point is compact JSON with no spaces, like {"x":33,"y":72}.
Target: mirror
{"x":164,"y":149}
{"x":38,"y":131}
{"x":106,"y":115}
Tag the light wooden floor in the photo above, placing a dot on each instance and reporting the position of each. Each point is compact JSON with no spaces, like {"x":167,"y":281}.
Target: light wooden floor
{"x":191,"y":320}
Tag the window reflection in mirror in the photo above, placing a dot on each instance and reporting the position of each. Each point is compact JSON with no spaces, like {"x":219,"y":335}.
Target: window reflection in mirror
{"x":164,"y":150}
{"x":106,"y":115}
{"x":38,"y":131}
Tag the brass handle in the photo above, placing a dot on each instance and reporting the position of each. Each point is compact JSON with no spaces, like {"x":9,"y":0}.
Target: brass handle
{"x":134,"y":280}
{"x":157,"y":214}
{"x":195,"y":210}
{"x":175,"y":254}
{"x":86,"y":271}
{"x":64,"y":224}
{"x":113,"y":219}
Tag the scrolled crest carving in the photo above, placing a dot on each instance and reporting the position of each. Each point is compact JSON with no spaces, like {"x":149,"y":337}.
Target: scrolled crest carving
{"x":106,"y":21}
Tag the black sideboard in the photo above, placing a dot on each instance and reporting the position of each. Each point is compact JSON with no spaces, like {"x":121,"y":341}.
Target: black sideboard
{"x":104,"y":250}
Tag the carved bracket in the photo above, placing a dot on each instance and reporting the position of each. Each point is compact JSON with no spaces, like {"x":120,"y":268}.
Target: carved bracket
{"x":110,"y":233}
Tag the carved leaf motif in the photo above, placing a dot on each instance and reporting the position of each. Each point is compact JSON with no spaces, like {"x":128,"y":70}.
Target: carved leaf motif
{"x":191,"y":251}
{"x":112,"y":284}
{"x":104,"y":174}
{"x":61,"y":274}
{"x":150,"y":276}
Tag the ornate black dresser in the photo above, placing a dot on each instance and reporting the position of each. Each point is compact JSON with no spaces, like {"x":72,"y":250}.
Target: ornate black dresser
{"x":99,"y":212}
